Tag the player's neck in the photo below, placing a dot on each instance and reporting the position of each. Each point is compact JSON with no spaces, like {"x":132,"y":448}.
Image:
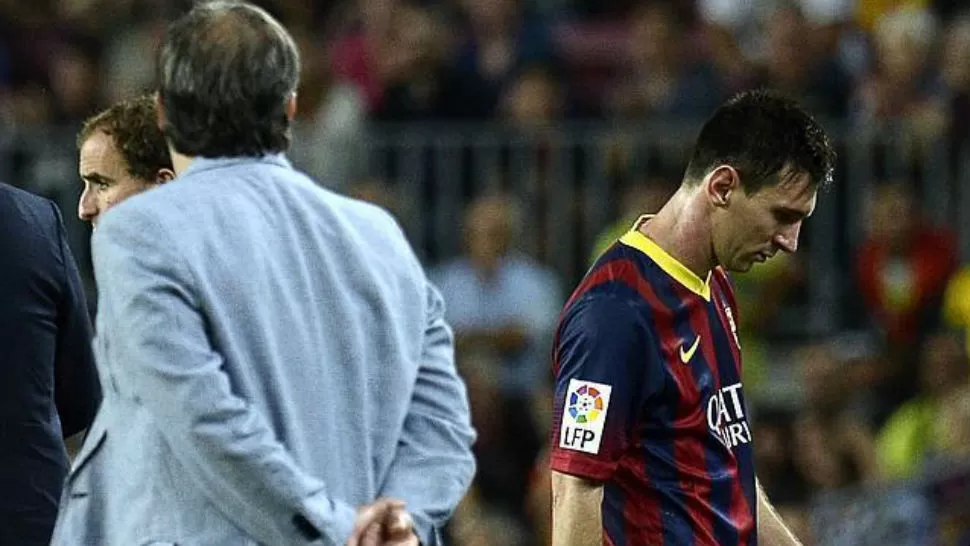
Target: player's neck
{"x":180,"y":162}
{"x":679,"y":229}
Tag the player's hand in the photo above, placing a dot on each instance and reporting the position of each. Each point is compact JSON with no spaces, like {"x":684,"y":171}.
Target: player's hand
{"x":385,"y":522}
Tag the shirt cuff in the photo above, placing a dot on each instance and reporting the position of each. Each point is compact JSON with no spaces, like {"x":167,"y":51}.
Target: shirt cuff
{"x":425,"y":530}
{"x":333,"y":519}
{"x":581,"y":467}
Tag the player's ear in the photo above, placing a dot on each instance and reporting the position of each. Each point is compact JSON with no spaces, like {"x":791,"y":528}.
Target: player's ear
{"x":721,"y":183}
{"x":164,"y":175}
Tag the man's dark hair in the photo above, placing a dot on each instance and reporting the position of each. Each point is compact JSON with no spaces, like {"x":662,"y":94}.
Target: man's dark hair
{"x":766,"y":138}
{"x":133,"y":124}
{"x":225,"y":71}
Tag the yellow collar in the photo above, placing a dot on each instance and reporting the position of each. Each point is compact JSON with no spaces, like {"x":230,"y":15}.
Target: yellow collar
{"x":636,"y":239}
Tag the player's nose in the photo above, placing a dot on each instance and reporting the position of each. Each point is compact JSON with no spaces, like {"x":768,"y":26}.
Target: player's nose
{"x":787,"y":238}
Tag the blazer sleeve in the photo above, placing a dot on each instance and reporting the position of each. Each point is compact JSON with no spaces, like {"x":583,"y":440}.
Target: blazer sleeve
{"x":154,"y":326}
{"x":434,"y":465}
{"x":77,"y":390}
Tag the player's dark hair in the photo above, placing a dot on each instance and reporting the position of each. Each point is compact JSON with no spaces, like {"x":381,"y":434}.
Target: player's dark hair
{"x":133,"y":124}
{"x":766,"y":137}
{"x":226,"y":71}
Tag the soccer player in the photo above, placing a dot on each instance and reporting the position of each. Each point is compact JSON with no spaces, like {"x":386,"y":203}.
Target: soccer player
{"x":122,"y":152}
{"x":273,"y":355}
{"x":652,"y":443}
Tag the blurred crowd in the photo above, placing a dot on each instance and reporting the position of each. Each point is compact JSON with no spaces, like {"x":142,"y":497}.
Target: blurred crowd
{"x":881,"y":399}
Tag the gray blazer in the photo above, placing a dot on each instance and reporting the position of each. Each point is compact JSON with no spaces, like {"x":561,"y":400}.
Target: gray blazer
{"x":272,"y":356}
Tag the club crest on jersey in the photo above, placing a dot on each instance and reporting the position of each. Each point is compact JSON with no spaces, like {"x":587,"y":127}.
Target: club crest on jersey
{"x":584,"y":415}
{"x":726,"y":419}
{"x":734,"y":328}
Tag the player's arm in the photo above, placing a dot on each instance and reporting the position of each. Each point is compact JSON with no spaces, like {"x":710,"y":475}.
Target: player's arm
{"x":772,"y":531}
{"x":577,"y":511}
{"x":77,"y":390}
{"x":603,"y":343}
{"x":168,"y":364}
{"x":434,"y":465}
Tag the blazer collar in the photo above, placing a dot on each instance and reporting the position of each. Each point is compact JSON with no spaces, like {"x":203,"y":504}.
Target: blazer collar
{"x":200,"y":164}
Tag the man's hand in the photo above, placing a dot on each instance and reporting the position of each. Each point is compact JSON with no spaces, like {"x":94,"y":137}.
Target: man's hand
{"x":385,"y":522}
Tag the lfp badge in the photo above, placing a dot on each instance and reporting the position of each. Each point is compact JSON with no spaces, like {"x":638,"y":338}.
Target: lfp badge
{"x":584,"y":414}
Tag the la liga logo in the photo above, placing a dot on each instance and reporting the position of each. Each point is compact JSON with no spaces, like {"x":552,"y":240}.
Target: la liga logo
{"x":584,"y":413}
{"x":585,"y":404}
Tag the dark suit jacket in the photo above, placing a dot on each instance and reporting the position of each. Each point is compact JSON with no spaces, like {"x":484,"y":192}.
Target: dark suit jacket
{"x":49,"y":387}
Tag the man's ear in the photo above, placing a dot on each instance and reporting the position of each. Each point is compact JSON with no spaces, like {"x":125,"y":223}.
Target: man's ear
{"x":164,"y":175}
{"x":721,"y":184}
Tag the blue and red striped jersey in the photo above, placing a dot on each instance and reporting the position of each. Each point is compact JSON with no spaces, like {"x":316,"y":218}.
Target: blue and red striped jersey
{"x":649,"y":400}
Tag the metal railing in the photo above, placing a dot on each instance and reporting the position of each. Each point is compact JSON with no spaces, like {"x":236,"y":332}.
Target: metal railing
{"x":569,"y":179}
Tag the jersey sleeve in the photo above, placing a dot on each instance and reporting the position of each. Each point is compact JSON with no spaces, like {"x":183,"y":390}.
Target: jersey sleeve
{"x":607,"y":367}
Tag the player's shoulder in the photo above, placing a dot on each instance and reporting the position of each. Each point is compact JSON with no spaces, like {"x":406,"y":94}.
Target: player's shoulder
{"x":611,"y":302}
{"x":623,"y":263}
{"x":620,"y":272}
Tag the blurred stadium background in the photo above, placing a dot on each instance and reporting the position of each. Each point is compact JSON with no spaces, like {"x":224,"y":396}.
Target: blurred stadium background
{"x":513,"y":138}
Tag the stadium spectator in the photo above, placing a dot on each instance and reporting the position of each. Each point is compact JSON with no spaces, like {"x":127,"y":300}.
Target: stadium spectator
{"x":333,"y":115}
{"x":800,"y":69}
{"x":419,"y":82}
{"x":500,"y":37}
{"x":915,"y":431}
{"x":902,"y":90}
{"x":74,"y":84}
{"x":953,"y":442}
{"x":774,"y":452}
{"x":358,"y":55}
{"x":832,"y":443}
{"x":503,"y":306}
{"x":901,"y":271}
{"x":129,"y":58}
{"x":535,"y":98}
{"x":955,"y":76}
{"x":903,"y":265}
{"x":664,"y":79}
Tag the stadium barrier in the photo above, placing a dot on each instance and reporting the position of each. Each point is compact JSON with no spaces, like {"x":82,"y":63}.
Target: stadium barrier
{"x":569,"y":179}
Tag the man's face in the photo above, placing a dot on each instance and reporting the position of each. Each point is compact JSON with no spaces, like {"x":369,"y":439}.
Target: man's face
{"x":891,"y":217}
{"x":487,"y":231}
{"x":106,"y":179}
{"x":751,"y":228}
{"x":943,"y":363}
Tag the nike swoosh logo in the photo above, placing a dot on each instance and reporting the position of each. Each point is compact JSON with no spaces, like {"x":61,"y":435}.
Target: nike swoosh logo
{"x":685,"y":356}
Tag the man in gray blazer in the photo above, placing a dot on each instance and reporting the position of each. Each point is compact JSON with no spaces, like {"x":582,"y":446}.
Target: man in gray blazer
{"x":275,"y":363}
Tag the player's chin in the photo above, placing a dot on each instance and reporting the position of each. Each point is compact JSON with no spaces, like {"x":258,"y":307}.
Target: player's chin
{"x":742,"y":265}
